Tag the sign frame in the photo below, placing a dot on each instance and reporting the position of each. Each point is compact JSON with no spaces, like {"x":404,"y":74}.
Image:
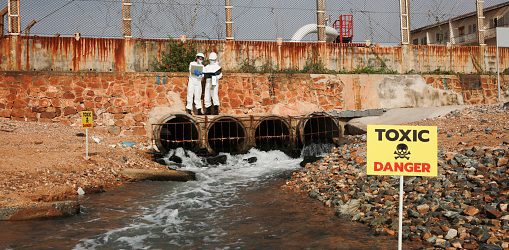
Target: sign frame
{"x":395,"y":134}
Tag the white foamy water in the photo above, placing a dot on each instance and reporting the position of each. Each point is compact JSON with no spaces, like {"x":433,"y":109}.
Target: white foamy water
{"x":190,"y":213}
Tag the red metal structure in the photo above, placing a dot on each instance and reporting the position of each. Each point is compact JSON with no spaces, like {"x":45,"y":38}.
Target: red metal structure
{"x":344,"y":26}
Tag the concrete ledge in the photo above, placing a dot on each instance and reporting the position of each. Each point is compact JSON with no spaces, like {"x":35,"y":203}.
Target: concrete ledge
{"x":157,"y":175}
{"x":40,"y":210}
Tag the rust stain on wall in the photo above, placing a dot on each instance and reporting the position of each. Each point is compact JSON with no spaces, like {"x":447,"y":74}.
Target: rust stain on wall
{"x":103,"y":54}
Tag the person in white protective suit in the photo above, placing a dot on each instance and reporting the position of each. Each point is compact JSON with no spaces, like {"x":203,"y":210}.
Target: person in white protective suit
{"x":194,"y":84}
{"x":212,"y":74}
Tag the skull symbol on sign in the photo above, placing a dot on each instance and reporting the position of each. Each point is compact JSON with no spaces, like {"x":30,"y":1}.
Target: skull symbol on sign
{"x":402,"y":152}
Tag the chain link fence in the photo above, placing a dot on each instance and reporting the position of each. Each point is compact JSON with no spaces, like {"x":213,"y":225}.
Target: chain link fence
{"x":377,"y":21}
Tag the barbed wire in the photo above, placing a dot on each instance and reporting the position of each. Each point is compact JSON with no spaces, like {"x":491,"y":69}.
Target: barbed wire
{"x":253,"y":20}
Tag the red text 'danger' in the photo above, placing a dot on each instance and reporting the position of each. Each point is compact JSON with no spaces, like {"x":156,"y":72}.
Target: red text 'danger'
{"x":402,"y":167}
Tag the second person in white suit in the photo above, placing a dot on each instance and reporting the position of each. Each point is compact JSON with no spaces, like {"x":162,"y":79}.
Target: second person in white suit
{"x":212,"y":74}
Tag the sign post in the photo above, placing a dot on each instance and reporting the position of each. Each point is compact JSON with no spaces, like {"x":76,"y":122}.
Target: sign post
{"x":402,"y":151}
{"x":502,"y":41}
{"x":87,"y":121}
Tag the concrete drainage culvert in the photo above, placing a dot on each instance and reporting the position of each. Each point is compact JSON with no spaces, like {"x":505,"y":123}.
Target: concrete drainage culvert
{"x":227,"y":134}
{"x":177,"y":131}
{"x":319,"y":129}
{"x":273,"y":133}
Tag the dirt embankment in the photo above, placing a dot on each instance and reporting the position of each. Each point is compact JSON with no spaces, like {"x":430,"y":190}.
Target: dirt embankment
{"x":46,"y":161}
{"x":466,"y":206}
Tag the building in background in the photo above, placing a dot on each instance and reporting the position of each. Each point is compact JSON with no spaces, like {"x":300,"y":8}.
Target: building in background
{"x":462,"y":30}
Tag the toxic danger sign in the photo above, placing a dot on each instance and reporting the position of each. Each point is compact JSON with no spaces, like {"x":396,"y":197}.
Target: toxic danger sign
{"x":87,"y":119}
{"x":402,"y":150}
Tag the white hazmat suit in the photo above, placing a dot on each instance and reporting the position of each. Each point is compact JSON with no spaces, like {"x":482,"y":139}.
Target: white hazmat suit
{"x":194,"y":89}
{"x":213,"y":74}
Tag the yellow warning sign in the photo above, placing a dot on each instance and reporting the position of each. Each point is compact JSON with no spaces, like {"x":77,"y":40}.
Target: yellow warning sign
{"x":402,"y":150}
{"x":87,"y":119}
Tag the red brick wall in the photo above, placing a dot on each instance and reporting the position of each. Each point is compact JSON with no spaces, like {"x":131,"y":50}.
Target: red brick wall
{"x":124,"y":100}
{"x":484,"y":93}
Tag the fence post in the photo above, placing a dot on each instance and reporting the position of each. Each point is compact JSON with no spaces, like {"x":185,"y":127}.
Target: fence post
{"x":14,"y":17}
{"x":406,"y":50}
{"x":229,"y":20}
{"x":126,"y":18}
{"x":320,"y":20}
{"x":405,"y":21}
{"x":480,"y":22}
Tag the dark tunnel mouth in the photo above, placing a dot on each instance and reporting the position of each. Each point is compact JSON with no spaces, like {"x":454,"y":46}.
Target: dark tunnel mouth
{"x":272,"y":134}
{"x":179,"y":132}
{"x":226,"y":135}
{"x":320,"y":129}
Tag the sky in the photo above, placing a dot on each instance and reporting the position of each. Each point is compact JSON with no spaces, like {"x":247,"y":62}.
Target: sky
{"x":376,"y":20}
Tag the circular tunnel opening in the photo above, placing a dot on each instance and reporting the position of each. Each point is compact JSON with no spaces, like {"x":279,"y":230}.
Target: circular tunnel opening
{"x":272,"y":134}
{"x":320,"y":129}
{"x":226,"y":135}
{"x":179,"y":131}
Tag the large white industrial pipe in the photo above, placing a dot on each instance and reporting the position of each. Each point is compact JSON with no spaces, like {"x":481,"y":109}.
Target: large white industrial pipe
{"x":307,"y":29}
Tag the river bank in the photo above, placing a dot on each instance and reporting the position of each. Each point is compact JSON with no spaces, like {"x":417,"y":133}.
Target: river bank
{"x":45,"y":162}
{"x":464,"y":207}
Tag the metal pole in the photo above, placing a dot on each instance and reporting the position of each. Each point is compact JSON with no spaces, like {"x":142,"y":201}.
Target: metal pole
{"x":400,"y":230}
{"x":86,"y":143}
{"x":498,"y":75}
{"x":320,"y":20}
{"x":229,"y":19}
{"x":480,"y":22}
{"x":126,"y":18}
{"x":405,"y":21}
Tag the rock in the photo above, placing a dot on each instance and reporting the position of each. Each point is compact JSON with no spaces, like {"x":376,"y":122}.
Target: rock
{"x":157,"y":175}
{"x":80,"y":134}
{"x":505,"y":245}
{"x":96,"y":139}
{"x":505,"y":106}
{"x":423,"y":209}
{"x":314,"y":193}
{"x":451,"y":234}
{"x":40,"y":210}
{"x":471,"y":211}
{"x":175,"y":159}
{"x":489,"y":247}
{"x":354,"y":128}
{"x":477,"y":231}
{"x":309,"y":159}
{"x":505,"y":217}
{"x":503,"y":207}
{"x":493,"y":213}
{"x":350,"y":208}
{"x":451,"y":214}
{"x":217,"y":160}
{"x":80,"y":191}
{"x":502,"y":161}
{"x":440,"y":243}
{"x":456,"y":244}
{"x":413,"y":213}
{"x":251,"y":159}
{"x":488,"y":130}
{"x":432,"y":239}
{"x":161,"y":161}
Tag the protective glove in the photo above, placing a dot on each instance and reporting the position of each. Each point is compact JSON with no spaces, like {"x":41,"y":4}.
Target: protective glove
{"x":196,"y":72}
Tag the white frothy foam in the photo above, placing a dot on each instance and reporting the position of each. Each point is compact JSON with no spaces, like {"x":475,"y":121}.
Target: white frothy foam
{"x":190,"y":212}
